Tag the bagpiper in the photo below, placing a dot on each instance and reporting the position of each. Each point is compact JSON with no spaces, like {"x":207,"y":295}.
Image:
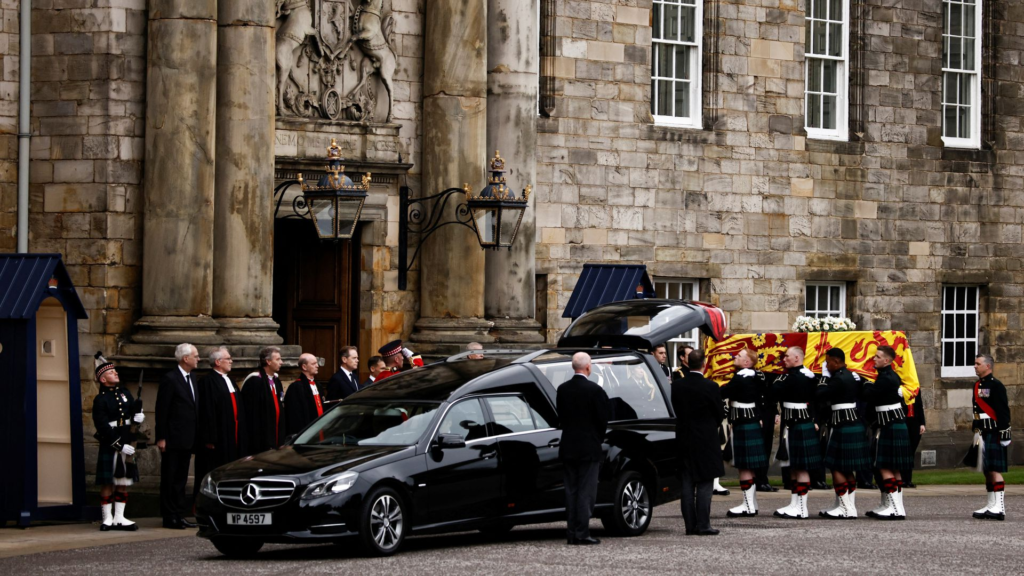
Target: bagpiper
{"x":992,"y":432}
{"x":113,"y":413}
{"x":847,"y":448}
{"x":799,"y":449}
{"x":395,"y":355}
{"x":745,"y":392}
{"x":892,"y":441}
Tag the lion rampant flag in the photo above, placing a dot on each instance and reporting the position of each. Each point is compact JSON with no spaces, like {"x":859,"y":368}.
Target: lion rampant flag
{"x":859,"y":347}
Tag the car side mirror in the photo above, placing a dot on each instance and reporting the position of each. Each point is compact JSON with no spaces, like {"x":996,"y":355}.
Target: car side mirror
{"x":289,"y":439}
{"x":450,"y":441}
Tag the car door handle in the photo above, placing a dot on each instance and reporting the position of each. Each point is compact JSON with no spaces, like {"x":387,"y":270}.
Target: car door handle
{"x":554,"y":443}
{"x":488,"y":455}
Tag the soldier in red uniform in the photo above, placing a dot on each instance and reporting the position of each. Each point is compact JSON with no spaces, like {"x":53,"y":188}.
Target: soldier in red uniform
{"x":395,"y":356}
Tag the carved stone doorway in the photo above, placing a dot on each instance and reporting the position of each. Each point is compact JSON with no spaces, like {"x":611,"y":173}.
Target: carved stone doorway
{"x":316,"y":291}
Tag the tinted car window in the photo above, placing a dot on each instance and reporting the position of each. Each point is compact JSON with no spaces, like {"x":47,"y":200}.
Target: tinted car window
{"x":465,"y":419}
{"x":627,"y":380}
{"x":365,"y":423}
{"x":513,"y":414}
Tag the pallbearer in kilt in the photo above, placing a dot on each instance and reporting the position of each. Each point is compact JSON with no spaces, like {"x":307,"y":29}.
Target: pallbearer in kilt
{"x":847,"y":440}
{"x":992,"y":427}
{"x":113,"y":412}
{"x":799,"y":448}
{"x":745,"y":392}
{"x":892,"y":442}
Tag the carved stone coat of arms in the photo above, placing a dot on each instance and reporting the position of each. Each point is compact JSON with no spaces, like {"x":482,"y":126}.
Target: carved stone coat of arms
{"x":335,"y":60}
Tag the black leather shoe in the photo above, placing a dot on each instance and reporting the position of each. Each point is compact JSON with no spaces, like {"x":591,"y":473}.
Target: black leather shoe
{"x":910,"y":485}
{"x":766,"y":488}
{"x":570,"y":541}
{"x":819,"y":486}
{"x":587,"y":541}
{"x":187,"y":524}
{"x":691,"y":532}
{"x":722,"y":492}
{"x":174,"y":525}
{"x":708,"y":532}
{"x":867,"y":486}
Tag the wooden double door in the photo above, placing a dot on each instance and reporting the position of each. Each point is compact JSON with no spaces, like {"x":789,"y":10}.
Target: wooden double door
{"x":316,"y":291}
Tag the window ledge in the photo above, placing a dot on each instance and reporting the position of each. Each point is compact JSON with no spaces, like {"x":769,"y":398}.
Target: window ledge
{"x":681,"y":134}
{"x":968,"y":155}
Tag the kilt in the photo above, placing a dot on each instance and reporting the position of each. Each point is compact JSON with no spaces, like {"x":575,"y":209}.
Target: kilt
{"x":892,"y":449}
{"x":748,"y":446}
{"x":995,"y":454}
{"x":804,"y":447}
{"x":847,"y":448}
{"x":105,"y":463}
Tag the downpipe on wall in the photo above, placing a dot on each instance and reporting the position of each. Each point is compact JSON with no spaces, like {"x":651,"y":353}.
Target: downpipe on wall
{"x":24,"y":129}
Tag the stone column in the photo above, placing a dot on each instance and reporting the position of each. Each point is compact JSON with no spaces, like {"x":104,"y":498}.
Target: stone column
{"x":454,"y":152}
{"x":243,"y":200}
{"x":513,"y":66}
{"x":177,"y":274}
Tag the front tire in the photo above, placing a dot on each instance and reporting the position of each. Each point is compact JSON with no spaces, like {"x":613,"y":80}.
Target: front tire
{"x":237,"y":547}
{"x":382,"y":523}
{"x":631,"y":508}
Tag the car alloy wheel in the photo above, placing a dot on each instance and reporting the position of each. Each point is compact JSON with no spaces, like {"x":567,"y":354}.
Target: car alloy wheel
{"x":635,"y":505}
{"x":630,"y":514}
{"x":383,"y":525}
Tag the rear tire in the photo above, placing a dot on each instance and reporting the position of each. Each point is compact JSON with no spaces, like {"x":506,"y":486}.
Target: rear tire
{"x":237,"y":547}
{"x":631,"y":510}
{"x":382,"y":522}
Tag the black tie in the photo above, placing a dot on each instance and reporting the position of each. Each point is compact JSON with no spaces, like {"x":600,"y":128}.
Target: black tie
{"x":355,"y":384}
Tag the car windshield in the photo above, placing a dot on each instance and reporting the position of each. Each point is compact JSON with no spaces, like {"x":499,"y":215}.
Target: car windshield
{"x":398,"y":423}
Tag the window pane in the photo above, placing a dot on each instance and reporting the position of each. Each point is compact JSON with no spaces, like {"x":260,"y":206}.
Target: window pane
{"x":947,"y":354}
{"x":960,"y":322}
{"x":683,"y":62}
{"x":961,"y":298}
{"x":830,"y":72}
{"x":682,"y":99}
{"x":814,"y":75}
{"x":972,"y":351}
{"x":968,"y":54}
{"x":818,"y":10}
{"x":835,"y":300}
{"x":818,"y":46}
{"x":813,"y":111}
{"x":807,"y":38}
{"x":511,"y":414}
{"x":947,"y":325}
{"x":972,"y":329}
{"x":949,"y":121}
{"x":664,"y":98}
{"x":822,"y":299}
{"x":969,"y":21}
{"x":671,"y":29}
{"x":828,"y":112}
{"x":809,"y":296}
{"x":656,"y":22}
{"x":964,"y":114}
{"x":972,"y":298}
{"x":835,"y":40}
{"x":956,"y":20}
{"x":950,"y":92}
{"x":631,"y":389}
{"x":465,"y":419}
{"x":958,"y":359}
{"x":956,"y":58}
{"x":688,"y":15}
{"x":965,"y":89}
{"x":665,"y":61}
{"x":835,"y":10}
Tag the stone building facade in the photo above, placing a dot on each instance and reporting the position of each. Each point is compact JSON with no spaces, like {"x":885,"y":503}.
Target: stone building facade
{"x":161,"y":129}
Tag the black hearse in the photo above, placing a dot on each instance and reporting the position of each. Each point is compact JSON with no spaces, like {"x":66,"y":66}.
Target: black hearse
{"x":465,"y":444}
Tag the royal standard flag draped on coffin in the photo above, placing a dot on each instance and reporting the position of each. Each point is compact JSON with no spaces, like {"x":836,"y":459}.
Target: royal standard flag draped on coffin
{"x":859,"y":347}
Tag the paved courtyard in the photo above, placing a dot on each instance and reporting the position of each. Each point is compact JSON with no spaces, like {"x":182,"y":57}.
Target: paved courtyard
{"x":939,"y":538}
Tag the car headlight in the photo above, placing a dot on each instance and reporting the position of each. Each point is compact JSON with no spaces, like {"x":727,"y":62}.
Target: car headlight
{"x":331,"y":486}
{"x":209,"y":487}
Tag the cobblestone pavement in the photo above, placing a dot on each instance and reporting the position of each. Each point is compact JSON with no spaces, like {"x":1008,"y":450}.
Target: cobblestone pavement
{"x":939,"y":538}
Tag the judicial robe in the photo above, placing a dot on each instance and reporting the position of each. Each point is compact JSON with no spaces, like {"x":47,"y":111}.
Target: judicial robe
{"x":303,"y":403}
{"x":264,"y":412}
{"x":222,"y":421}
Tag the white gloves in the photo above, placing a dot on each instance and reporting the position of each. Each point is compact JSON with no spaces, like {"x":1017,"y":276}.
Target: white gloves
{"x":806,"y":372}
{"x":138,"y":418}
{"x":406,"y":352}
{"x":824,"y":371}
{"x":127,"y":450}
{"x":1004,"y":442}
{"x":745,"y":372}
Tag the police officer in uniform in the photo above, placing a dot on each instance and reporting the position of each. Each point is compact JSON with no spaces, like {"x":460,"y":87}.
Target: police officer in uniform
{"x":992,"y":429}
{"x":113,"y":413}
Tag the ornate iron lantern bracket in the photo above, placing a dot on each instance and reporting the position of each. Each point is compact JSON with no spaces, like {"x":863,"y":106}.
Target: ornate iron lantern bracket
{"x":482,"y":213}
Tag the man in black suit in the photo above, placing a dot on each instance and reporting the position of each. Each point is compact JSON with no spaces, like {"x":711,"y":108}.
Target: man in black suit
{"x":176,"y":420}
{"x":221,"y":433}
{"x":584,"y":409}
{"x":303,"y":402}
{"x":661,"y":355}
{"x":375,"y":365}
{"x":697,"y":402}
{"x":346,"y":380}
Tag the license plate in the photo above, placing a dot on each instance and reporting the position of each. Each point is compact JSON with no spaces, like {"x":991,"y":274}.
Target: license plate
{"x":249,"y":519}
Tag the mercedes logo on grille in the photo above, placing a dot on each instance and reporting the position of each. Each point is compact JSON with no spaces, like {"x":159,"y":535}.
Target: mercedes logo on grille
{"x":250,"y":494}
